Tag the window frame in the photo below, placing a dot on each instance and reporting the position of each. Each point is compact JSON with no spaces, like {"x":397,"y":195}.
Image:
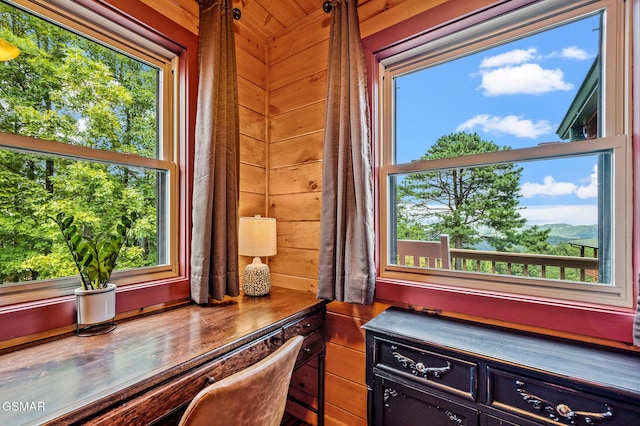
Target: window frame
{"x":83,"y":22}
{"x":614,"y":294}
{"x":492,"y":304}
{"x":52,"y":313}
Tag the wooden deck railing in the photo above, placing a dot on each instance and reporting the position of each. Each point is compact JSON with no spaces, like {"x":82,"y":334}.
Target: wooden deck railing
{"x":587,"y":267}
{"x":488,"y":261}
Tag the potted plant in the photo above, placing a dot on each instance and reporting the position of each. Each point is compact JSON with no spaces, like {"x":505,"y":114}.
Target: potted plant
{"x":95,"y":258}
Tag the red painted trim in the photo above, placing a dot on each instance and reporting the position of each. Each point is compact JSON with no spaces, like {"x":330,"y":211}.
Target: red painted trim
{"x":635,"y":147}
{"x":138,"y":296}
{"x":145,"y":21}
{"x":594,"y":321}
{"x":374,"y":92}
{"x":187,"y":118}
{"x":30,"y":318}
{"x":590,"y":321}
{"x":36,"y":317}
{"x":443,"y":19}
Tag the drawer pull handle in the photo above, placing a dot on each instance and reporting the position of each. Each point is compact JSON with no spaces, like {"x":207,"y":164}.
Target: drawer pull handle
{"x":562,"y":412}
{"x":210,"y":380}
{"x":420,"y":369}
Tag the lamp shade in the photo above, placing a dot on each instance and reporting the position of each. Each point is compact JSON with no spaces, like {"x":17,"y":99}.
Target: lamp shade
{"x":257,"y":236}
{"x":8,"y":51}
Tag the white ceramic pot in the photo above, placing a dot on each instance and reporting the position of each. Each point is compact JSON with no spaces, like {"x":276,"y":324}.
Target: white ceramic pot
{"x":96,"y":306}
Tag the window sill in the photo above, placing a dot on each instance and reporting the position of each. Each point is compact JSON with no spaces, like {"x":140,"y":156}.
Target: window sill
{"x":26,"y":322}
{"x":557,"y":317}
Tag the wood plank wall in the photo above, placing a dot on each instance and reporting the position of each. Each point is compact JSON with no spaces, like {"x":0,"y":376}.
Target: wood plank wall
{"x":282,"y":82}
{"x":297,"y":68}
{"x":183,"y":12}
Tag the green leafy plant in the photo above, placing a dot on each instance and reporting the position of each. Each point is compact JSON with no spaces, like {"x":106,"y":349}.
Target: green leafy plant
{"x":96,"y":257}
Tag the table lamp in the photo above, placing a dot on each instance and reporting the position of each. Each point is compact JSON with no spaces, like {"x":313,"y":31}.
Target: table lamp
{"x":257,"y":238}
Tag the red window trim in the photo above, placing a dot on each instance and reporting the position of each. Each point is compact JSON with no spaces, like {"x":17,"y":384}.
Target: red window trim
{"x":31,"y":318}
{"x":583,"y":319}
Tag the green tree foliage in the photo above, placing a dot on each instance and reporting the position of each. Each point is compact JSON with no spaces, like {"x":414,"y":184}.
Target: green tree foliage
{"x":408,"y":228}
{"x":68,"y":89}
{"x":471,"y":204}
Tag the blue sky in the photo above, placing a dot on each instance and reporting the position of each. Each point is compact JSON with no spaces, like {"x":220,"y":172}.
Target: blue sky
{"x":513,"y":95}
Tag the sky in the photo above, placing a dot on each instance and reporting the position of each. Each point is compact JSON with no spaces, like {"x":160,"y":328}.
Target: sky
{"x":514,"y":95}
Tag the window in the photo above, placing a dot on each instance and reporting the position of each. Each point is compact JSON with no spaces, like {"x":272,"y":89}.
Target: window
{"x":86,"y":127}
{"x":511,"y":137}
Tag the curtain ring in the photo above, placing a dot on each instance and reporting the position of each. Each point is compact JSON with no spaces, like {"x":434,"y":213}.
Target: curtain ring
{"x":327,"y":6}
{"x":236,"y":13}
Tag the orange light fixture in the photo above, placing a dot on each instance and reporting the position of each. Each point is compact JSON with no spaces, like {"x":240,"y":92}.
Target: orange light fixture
{"x":8,"y":51}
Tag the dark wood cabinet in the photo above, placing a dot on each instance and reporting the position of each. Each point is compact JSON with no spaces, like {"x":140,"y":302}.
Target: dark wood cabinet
{"x":424,"y":369}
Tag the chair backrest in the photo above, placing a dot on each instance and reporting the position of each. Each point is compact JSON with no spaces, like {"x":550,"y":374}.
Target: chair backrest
{"x":256,"y":395}
{"x":436,"y":254}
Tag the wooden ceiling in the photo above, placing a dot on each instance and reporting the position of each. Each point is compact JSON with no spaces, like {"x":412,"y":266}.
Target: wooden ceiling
{"x":269,"y":17}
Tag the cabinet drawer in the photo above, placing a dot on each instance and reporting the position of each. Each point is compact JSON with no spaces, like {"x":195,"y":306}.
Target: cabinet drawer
{"x":427,"y":367}
{"x":396,"y":404}
{"x":552,"y":403}
{"x":304,"y":326}
{"x":312,"y":345}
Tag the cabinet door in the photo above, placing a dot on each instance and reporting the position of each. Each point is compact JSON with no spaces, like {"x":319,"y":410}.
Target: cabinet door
{"x":397,"y":404}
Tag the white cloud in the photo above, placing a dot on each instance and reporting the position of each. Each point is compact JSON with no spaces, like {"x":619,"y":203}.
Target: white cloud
{"x":572,"y":52}
{"x":530,"y":79}
{"x":548,"y":187}
{"x":511,"y":124}
{"x":551,"y":187}
{"x":590,"y":190}
{"x":581,"y":214}
{"x":513,"y":57}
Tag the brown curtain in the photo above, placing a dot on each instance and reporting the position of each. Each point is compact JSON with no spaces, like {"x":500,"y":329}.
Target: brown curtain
{"x":214,"y":243}
{"x":636,"y":322}
{"x":346,"y":265}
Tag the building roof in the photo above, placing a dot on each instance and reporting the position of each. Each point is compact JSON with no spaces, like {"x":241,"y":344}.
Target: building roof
{"x":584,"y":104}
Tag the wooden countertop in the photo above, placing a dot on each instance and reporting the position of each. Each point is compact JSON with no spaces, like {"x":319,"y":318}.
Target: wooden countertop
{"x":82,"y":375}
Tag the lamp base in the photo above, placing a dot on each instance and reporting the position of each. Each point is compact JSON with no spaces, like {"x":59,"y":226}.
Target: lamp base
{"x":257,"y":279}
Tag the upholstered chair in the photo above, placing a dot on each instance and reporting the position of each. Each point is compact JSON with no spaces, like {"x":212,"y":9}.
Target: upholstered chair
{"x":256,"y":395}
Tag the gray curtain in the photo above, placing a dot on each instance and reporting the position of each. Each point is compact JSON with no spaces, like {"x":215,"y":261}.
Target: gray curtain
{"x":636,"y":322}
{"x":214,"y":241}
{"x":346,"y":264}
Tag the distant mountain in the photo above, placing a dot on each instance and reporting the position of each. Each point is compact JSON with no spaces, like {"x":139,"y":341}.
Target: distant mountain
{"x":560,"y":233}
{"x":563,"y":232}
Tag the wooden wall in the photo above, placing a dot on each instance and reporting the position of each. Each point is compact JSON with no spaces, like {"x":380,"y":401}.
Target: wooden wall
{"x":182,"y":12}
{"x":297,"y":67}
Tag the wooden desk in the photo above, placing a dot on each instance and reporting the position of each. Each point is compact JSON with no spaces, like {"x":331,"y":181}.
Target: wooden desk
{"x":151,"y":366}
